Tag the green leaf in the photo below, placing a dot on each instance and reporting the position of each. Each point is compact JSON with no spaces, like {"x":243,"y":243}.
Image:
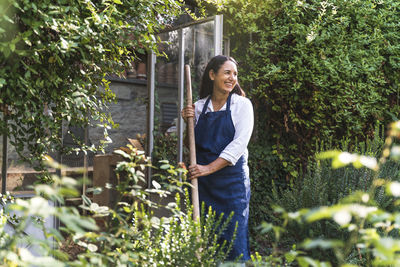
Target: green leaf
{"x":95,"y":190}
{"x":122,"y":153}
{"x":2,"y":82}
{"x":322,"y":243}
{"x":328,"y":154}
{"x":165,"y":166}
{"x":307,"y":261}
{"x":319,"y":214}
{"x":86,"y":200}
{"x":156,"y":184}
{"x":291,"y":256}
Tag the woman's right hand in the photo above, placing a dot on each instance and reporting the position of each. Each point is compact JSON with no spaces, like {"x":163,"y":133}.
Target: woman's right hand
{"x":187,"y":112}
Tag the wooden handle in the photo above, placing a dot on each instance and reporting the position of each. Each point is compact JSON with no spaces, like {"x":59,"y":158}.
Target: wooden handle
{"x":192,"y":145}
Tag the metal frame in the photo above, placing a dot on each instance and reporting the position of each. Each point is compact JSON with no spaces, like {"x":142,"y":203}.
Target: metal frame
{"x":181,"y":93}
{"x":4,"y":158}
{"x":188,"y":24}
{"x":150,"y":114}
{"x":218,"y":49}
{"x":218,"y":34}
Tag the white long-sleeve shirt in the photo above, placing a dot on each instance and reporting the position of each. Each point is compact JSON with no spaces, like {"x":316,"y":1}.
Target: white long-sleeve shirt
{"x":243,"y":121}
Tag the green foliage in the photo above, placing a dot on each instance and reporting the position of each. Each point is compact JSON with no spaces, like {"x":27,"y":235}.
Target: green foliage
{"x":264,"y":173}
{"x":130,"y":234}
{"x":165,"y":147}
{"x":323,"y":186}
{"x":54,"y":56}
{"x":20,"y":213}
{"x":320,"y":185}
{"x":365,"y":218}
{"x":133,"y":235}
{"x":316,"y":69}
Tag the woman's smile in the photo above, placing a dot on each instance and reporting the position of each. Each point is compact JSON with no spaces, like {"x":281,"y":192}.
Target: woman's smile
{"x":226,"y":77}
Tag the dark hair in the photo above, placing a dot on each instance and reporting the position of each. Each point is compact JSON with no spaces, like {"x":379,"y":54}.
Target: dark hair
{"x":207,"y":85}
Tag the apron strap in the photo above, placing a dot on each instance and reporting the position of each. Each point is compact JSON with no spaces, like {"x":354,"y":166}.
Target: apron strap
{"x":206,"y":105}
{"x":228,"y":102}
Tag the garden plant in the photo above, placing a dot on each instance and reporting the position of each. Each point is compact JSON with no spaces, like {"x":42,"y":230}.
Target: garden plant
{"x":317,"y":72}
{"x":128,"y":234}
{"x":322,"y":75}
{"x":365,"y":222}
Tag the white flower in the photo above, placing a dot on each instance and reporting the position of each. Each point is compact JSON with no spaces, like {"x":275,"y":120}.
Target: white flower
{"x":352,"y":227}
{"x":294,"y":215}
{"x":395,"y":151}
{"x":369,"y":162}
{"x":37,"y":206}
{"x":395,"y":189}
{"x":342,"y":217}
{"x":365,"y":198}
{"x":324,"y":4}
{"x":311,"y":36}
{"x":346,"y":157}
{"x":385,"y":224}
{"x":362,"y":211}
{"x":92,"y":248}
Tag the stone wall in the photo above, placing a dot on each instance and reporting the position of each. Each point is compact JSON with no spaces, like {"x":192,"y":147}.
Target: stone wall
{"x":130,"y":112}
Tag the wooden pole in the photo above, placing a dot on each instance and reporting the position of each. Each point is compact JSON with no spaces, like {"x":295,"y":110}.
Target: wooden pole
{"x":192,"y":145}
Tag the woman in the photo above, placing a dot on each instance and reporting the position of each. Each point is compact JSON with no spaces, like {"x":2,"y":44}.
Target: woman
{"x":224,"y":123}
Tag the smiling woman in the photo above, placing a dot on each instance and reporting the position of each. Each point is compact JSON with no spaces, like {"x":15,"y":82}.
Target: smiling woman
{"x":224,"y":82}
{"x":224,"y":124}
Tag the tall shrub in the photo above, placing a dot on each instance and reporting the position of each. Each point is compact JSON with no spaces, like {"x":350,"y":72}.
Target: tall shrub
{"x":369,"y":227}
{"x":316,"y":69}
{"x":55,"y":54}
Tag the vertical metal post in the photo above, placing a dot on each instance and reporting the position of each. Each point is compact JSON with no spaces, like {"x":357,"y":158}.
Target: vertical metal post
{"x":181,"y":88}
{"x":59,"y":173}
{"x":85,"y":162}
{"x":59,"y":153}
{"x":151,"y":60}
{"x":218,"y":34}
{"x":4,"y":164}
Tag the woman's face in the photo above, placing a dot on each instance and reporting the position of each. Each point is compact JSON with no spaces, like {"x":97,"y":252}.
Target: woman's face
{"x":226,"y":77}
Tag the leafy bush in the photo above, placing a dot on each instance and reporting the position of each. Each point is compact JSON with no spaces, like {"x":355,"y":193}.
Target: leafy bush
{"x":264,"y":172}
{"x":54,"y":56}
{"x":367,"y":231}
{"x":128,"y":234}
{"x":324,"y":186}
{"x":21,"y":213}
{"x":316,"y":69}
{"x":165,"y":147}
{"x":132,"y":235}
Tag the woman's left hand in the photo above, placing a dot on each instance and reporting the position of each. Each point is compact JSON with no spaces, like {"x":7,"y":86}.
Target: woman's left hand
{"x":198,"y":170}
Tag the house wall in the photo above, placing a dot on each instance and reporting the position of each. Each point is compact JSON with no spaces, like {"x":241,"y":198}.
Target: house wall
{"x":130,"y":112}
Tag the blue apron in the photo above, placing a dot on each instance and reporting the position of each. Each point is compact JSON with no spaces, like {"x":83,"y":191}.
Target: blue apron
{"x":228,"y":189}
